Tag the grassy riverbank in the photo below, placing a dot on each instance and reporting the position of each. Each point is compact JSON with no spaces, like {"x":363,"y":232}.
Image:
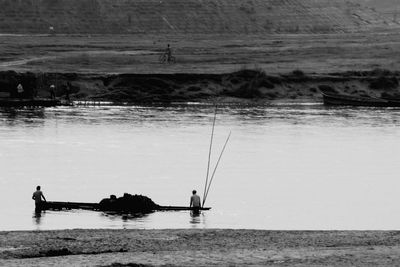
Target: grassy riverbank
{"x":199,"y":248}
{"x":209,"y":67}
{"x":244,"y":86}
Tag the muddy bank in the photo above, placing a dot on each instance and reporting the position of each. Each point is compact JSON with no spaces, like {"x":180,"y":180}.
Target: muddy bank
{"x":241,"y":86}
{"x":199,"y":248}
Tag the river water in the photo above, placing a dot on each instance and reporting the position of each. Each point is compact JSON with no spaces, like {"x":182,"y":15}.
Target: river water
{"x":286,"y":166}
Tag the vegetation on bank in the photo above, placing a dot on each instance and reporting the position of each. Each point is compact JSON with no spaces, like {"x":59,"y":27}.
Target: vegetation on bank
{"x":246,"y":84}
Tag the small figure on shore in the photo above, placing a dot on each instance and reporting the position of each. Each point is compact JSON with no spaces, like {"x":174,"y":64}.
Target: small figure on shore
{"x":52,"y":91}
{"x":51,"y":30}
{"x":20,"y":91}
{"x":166,"y":56}
{"x":68,"y":91}
{"x":195,"y":202}
{"x":168,"y":53}
{"x":38,"y":196}
{"x":34,"y":93}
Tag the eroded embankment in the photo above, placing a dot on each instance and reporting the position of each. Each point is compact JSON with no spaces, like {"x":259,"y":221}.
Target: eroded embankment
{"x":245,"y":85}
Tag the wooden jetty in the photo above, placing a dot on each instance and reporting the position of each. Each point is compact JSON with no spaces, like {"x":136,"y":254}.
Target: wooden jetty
{"x":57,"y":205}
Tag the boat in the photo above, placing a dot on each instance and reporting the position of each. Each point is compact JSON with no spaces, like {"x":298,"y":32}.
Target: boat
{"x":16,"y":102}
{"x":126,"y":204}
{"x":59,"y":205}
{"x":348,"y":100}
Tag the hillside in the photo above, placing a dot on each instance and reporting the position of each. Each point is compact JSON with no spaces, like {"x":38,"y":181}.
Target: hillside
{"x":389,"y":8}
{"x":382,"y":5}
{"x":186,"y":16}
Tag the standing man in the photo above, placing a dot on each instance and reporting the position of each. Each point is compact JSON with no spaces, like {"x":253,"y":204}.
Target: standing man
{"x":38,"y":196}
{"x":20,"y":91}
{"x":68,"y":91}
{"x":195,"y":202}
{"x":52,"y":91}
{"x":168,"y":53}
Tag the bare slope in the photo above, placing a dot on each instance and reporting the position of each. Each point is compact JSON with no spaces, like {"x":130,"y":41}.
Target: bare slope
{"x":389,"y":8}
{"x":186,"y":16}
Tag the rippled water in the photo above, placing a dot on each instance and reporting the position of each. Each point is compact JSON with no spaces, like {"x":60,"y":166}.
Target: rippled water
{"x":287,"y":166}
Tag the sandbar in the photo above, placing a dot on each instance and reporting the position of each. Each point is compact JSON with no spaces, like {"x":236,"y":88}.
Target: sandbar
{"x":198,"y":247}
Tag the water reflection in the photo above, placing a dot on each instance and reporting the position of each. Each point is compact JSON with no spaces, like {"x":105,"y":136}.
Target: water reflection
{"x":123,"y":216}
{"x":190,"y":114}
{"x":197,"y":219}
{"x":27,"y":116}
{"x":126,"y":220}
{"x":135,"y":216}
{"x":12,"y":113}
{"x":37,"y":217}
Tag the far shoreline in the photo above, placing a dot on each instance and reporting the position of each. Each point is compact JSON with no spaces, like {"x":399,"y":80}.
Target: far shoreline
{"x":247,"y":86}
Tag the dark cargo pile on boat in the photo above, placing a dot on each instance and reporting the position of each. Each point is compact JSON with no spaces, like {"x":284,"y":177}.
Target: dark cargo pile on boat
{"x":128,"y":203}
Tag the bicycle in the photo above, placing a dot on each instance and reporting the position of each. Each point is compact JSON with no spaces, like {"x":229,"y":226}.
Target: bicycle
{"x":164,"y":58}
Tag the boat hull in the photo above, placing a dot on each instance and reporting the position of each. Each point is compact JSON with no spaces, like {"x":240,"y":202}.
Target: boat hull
{"x":57,"y":205}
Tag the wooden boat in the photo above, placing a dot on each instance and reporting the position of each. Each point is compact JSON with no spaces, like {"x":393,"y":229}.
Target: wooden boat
{"x":126,"y":204}
{"x":15,"y":102}
{"x":57,"y":205}
{"x":347,"y":100}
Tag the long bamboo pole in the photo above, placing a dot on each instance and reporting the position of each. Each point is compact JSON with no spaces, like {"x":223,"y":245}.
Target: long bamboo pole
{"x":209,"y":154}
{"x":215,"y":169}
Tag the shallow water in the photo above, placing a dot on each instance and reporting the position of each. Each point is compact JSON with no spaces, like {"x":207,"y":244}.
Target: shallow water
{"x":286,"y":166}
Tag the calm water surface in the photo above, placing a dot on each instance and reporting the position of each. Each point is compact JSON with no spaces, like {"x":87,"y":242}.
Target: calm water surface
{"x":287,"y":166}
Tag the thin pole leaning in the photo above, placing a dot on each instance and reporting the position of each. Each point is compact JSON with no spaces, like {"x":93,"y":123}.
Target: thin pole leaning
{"x":215,"y":169}
{"x":209,"y":154}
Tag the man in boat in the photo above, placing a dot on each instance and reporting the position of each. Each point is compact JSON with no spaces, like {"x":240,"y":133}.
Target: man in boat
{"x":38,"y":196}
{"x":195,"y":202}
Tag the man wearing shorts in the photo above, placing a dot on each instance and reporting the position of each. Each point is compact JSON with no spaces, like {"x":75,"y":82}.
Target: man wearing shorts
{"x":195,"y":202}
{"x":38,"y":196}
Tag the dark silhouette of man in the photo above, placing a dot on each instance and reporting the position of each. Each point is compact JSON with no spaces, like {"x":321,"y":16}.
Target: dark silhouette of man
{"x":68,"y":92}
{"x":20,"y":91}
{"x":195,"y":202}
{"x":52,"y":91}
{"x":168,"y":52}
{"x":38,"y":196}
